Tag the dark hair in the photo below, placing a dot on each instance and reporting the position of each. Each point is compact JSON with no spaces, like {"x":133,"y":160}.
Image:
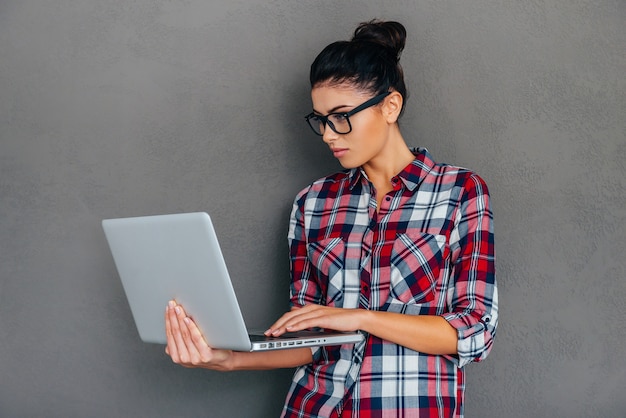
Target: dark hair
{"x":370,"y":60}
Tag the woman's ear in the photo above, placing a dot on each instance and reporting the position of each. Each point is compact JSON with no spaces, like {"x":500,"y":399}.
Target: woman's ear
{"x":393,"y":106}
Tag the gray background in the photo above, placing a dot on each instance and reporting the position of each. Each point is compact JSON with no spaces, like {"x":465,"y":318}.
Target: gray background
{"x":122,"y":108}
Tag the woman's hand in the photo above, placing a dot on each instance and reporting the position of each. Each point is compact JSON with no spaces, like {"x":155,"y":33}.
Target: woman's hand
{"x":312,"y":316}
{"x":187,"y":347}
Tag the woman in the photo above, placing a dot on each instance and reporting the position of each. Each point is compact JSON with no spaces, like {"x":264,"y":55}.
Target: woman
{"x":396,"y":246}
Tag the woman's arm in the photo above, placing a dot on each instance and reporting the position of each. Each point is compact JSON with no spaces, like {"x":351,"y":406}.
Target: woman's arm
{"x":424,"y":333}
{"x":187,"y":347}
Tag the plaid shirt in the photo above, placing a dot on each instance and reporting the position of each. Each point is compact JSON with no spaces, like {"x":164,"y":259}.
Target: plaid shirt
{"x":429,"y":250}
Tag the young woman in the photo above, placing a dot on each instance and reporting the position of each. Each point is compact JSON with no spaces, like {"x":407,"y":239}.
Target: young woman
{"x":396,"y":245}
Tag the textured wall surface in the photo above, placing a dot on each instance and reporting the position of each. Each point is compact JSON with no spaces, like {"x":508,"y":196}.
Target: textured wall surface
{"x":122,"y":108}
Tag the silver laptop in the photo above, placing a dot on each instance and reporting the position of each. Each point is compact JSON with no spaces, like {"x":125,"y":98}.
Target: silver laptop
{"x":165,"y":257}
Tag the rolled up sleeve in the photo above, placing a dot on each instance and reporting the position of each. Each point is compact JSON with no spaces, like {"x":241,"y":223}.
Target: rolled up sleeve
{"x":473,"y":298}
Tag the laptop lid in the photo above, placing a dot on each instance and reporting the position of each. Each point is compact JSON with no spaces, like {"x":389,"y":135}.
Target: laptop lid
{"x":177,"y":256}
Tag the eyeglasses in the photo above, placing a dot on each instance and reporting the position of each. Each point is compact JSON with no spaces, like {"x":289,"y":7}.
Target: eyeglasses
{"x":340,"y":121}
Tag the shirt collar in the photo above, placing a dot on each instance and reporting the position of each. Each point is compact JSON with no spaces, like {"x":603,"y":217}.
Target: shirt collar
{"x":412,"y":175}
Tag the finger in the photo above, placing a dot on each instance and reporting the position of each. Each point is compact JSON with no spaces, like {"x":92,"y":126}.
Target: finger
{"x":170,"y":348}
{"x":182,"y":354}
{"x":306,"y":320}
{"x":190,"y":355}
{"x":198,"y":347}
{"x":193,"y":345}
{"x":172,"y":325}
{"x":323,"y":317}
{"x":195,"y":335}
{"x":296,"y":320}
{"x":280,"y":322}
{"x":201,"y":354}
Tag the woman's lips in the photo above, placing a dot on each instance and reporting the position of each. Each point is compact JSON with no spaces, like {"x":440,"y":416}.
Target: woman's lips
{"x":339,"y":152}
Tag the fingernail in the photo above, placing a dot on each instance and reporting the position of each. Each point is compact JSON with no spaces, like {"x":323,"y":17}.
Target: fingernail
{"x":177,"y":309}
{"x":171,"y":304}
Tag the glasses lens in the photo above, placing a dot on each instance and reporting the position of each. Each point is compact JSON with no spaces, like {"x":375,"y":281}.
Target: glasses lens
{"x":339,"y":123}
{"x":316,"y":123}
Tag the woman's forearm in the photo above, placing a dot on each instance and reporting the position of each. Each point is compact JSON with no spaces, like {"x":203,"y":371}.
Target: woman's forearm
{"x":267,"y":360}
{"x":425,"y":333}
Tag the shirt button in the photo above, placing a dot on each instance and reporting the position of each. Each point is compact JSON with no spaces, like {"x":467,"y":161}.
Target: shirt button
{"x":387,"y":199}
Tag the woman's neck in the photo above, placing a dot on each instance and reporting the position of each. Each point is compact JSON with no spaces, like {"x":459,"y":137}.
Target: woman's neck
{"x":394,"y":158}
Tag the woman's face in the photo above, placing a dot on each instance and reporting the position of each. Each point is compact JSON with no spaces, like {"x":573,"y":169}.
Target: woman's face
{"x":370,"y":127}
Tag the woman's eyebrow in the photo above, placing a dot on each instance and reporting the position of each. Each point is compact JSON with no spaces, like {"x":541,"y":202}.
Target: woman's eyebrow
{"x":333,"y":110}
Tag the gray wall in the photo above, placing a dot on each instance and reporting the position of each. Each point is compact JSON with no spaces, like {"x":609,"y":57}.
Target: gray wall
{"x":118,"y":108}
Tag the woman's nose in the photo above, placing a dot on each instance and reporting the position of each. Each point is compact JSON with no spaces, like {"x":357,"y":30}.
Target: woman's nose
{"x":329,"y":135}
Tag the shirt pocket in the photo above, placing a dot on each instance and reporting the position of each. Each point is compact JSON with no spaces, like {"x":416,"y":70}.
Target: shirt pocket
{"x":416,"y":261}
{"x":327,"y":262}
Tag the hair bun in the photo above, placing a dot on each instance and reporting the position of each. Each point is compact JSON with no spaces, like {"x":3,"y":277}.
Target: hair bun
{"x":389,"y":34}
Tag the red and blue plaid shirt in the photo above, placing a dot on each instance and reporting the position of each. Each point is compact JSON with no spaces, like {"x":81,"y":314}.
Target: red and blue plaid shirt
{"x":428,"y":250}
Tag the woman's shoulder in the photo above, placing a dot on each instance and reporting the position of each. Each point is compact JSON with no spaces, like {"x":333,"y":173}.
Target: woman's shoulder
{"x":324,"y":184}
{"x":330,"y":180}
{"x":439,"y":169}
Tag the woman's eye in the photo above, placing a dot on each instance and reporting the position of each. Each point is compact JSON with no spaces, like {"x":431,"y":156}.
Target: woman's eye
{"x":337,"y":118}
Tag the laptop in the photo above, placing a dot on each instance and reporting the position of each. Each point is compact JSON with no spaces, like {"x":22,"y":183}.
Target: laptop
{"x":178,"y":257}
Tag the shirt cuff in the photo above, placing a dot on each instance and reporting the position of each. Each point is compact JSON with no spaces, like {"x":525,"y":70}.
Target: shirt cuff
{"x":473,"y":338}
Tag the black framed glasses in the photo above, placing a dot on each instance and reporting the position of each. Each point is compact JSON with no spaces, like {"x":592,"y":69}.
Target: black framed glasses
{"x":340,"y":121}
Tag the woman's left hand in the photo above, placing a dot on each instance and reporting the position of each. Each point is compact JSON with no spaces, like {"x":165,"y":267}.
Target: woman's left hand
{"x":317,"y":316}
{"x":186,"y":345}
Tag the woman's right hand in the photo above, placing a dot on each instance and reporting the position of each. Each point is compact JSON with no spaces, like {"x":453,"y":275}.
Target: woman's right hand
{"x":186,"y":345}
